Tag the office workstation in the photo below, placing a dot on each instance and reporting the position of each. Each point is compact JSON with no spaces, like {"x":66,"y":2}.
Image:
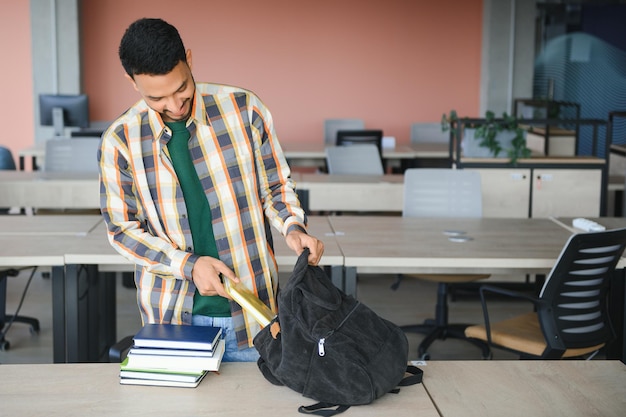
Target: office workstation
{"x":516,"y":238}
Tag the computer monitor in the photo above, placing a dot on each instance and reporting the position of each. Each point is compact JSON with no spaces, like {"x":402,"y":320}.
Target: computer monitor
{"x":63,"y":110}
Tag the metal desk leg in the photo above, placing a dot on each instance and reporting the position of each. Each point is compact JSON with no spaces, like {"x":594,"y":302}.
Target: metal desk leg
{"x":58,"y":315}
{"x":616,"y":349}
{"x":336,"y":275}
{"x":350,"y":280}
{"x":72,"y":312}
{"x":108,"y":308}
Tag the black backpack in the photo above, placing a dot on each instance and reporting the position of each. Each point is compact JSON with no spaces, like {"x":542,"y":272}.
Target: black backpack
{"x":330,"y":347}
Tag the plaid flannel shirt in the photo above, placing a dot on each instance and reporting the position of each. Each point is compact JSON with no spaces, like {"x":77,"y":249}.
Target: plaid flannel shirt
{"x":246,"y":180}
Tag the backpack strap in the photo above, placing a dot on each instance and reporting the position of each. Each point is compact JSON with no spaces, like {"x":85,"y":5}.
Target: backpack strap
{"x":414,"y":378}
{"x":323,"y":409}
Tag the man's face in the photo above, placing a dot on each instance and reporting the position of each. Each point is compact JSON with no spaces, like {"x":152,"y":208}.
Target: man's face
{"x":171,"y":94}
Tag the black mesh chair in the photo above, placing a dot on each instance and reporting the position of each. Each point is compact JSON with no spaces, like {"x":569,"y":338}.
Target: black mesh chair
{"x":8,"y":163}
{"x":360,"y":137}
{"x":570,"y":316}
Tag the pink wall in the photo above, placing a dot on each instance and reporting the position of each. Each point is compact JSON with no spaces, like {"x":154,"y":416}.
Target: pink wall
{"x":16,"y":80}
{"x":390,"y":63}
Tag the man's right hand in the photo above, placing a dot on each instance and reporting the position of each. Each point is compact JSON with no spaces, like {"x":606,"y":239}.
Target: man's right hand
{"x":206,"y":276}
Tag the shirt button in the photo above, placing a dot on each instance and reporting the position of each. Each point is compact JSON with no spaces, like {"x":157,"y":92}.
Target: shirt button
{"x":189,"y":249}
{"x":184,"y":216}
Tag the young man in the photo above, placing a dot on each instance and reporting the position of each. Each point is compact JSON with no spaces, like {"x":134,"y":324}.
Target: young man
{"x":192,"y":176}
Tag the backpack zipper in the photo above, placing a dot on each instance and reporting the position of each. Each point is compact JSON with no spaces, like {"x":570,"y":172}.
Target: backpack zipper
{"x":321,"y":351}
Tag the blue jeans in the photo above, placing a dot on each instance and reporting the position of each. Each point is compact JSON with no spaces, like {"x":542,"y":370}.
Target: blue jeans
{"x":231,"y":351}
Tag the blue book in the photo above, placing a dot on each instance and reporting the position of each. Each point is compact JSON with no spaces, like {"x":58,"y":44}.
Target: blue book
{"x":173,"y":336}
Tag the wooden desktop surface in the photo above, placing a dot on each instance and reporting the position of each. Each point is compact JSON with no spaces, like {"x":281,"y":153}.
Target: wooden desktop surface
{"x":395,"y":244}
{"x":81,"y":241}
{"x":238,"y":390}
{"x":383,"y":193}
{"x":569,"y":388}
{"x":41,"y":240}
{"x":449,"y":389}
{"x":42,"y":189}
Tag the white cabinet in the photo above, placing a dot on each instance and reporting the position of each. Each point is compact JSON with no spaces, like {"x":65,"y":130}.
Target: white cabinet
{"x":566,"y":192}
{"x":541,"y":192}
{"x":506,"y":191}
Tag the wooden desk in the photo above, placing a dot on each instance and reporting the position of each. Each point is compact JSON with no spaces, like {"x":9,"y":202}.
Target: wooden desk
{"x":36,"y":153}
{"x":394,"y":244}
{"x":92,"y":254}
{"x":44,"y":243}
{"x":238,"y":390}
{"x":527,"y":388}
{"x":325,"y":192}
{"x":56,"y":190}
{"x":314,"y":155}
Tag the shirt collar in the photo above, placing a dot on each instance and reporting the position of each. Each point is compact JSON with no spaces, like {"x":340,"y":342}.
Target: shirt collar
{"x":198,"y":115}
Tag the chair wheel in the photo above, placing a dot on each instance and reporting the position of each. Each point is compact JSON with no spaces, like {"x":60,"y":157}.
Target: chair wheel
{"x":488,"y":357}
{"x":425,"y":356}
{"x":4,"y":345}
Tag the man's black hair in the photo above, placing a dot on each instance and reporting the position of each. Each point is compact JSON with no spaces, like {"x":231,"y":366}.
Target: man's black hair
{"x":151,"y":46}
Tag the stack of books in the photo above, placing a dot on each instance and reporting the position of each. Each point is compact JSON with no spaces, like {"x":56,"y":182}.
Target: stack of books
{"x":172,"y":355}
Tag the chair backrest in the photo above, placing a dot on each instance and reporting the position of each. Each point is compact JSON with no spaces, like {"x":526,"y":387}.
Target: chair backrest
{"x":442,"y":192}
{"x":362,"y":137}
{"x":332,"y":126}
{"x":428,"y":133}
{"x":354,"y":160}
{"x":6,"y":159}
{"x":72,"y":155}
{"x":573,"y":312}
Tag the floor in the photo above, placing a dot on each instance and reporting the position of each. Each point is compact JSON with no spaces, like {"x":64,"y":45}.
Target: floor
{"x":413,"y":302}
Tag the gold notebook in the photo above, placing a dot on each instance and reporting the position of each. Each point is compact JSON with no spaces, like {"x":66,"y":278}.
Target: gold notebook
{"x":250,"y":302}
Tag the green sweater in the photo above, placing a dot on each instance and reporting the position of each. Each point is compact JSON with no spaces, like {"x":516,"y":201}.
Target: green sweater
{"x":198,"y":213}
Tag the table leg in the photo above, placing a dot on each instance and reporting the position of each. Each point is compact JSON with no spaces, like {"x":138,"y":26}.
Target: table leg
{"x":108,"y":308}
{"x":72,"y":311}
{"x":59,"y":354}
{"x":616,"y":349}
{"x":336,"y":275}
{"x":350,"y":280}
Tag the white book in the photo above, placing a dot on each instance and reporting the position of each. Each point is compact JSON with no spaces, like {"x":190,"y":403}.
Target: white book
{"x":162,"y":376}
{"x":177,"y":363}
{"x":161,"y":383}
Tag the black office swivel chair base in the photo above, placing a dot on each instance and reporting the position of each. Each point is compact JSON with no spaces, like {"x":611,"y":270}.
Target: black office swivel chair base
{"x":4,"y":318}
{"x":439,"y":328}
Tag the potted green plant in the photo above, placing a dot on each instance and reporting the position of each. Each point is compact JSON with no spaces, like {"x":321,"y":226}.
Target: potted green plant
{"x":496,"y":136}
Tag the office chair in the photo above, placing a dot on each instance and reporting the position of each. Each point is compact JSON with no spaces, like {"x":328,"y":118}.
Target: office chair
{"x":332,"y":126}
{"x":72,"y":155}
{"x":442,"y":192}
{"x":360,"y":137}
{"x":354,"y":160}
{"x":570,"y":315}
{"x":8,"y":163}
{"x":6,"y":320}
{"x":75,"y":155}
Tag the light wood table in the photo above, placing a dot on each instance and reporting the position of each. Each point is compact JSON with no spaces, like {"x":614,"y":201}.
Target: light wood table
{"x":238,"y":390}
{"x":94,"y":255}
{"x":36,"y":153}
{"x":373,"y":193}
{"x":304,"y":154}
{"x":395,"y":244}
{"x":42,"y":241}
{"x":56,"y":190}
{"x":527,"y":388}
